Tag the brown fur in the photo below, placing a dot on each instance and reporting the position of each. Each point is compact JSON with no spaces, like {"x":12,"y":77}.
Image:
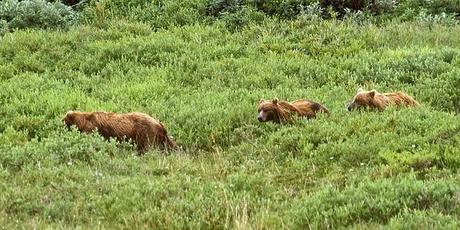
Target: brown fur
{"x":375,"y":100}
{"x":278,"y":111}
{"x":140,"y":128}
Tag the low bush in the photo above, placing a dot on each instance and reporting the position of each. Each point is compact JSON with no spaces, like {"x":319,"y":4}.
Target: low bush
{"x":158,"y":13}
{"x":35,"y":14}
{"x":377,"y":202}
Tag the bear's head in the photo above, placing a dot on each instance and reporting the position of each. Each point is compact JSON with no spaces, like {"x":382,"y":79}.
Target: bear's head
{"x":268,"y":110}
{"x":362,"y":99}
{"x":82,"y":120}
{"x":69,"y":119}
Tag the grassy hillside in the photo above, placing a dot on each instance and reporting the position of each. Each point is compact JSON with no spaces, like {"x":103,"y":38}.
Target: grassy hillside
{"x":394,"y":169}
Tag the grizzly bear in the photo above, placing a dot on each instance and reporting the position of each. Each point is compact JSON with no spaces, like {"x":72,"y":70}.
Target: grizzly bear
{"x":278,"y":111}
{"x":139,"y":128}
{"x":375,"y":100}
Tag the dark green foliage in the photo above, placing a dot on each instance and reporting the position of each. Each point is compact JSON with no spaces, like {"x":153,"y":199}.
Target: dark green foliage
{"x":156,"y":13}
{"x":217,"y":7}
{"x":281,"y":8}
{"x":290,"y":9}
{"x":375,"y":7}
{"x":35,"y":14}
{"x":409,"y":9}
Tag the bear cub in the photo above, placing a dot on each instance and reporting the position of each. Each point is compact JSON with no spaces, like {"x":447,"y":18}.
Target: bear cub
{"x":375,"y":100}
{"x":278,"y":111}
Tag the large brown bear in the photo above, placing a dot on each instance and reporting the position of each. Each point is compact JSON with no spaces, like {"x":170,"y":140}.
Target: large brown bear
{"x":278,"y":111}
{"x":140,"y":128}
{"x":375,"y":100}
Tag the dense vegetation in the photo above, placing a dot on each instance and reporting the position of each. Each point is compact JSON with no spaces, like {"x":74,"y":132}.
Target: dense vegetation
{"x":201,"y":68}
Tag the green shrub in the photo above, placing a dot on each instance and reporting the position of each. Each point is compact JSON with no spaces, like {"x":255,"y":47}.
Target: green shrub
{"x":158,"y":13}
{"x":35,"y":14}
{"x":217,"y":7}
{"x":71,"y":148}
{"x":413,"y":219}
{"x":375,"y":7}
{"x":410,"y":9}
{"x":374,"y":201}
{"x":240,"y":18}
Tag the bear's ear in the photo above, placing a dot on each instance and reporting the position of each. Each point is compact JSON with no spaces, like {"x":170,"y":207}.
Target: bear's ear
{"x":275,"y":101}
{"x":69,"y":116}
{"x":360,"y":90}
{"x":261,"y":100}
{"x":69,"y":113}
{"x":372,"y":93}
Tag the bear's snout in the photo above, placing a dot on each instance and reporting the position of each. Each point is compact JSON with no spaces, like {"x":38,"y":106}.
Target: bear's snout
{"x":350,"y":106}
{"x":260,"y":117}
